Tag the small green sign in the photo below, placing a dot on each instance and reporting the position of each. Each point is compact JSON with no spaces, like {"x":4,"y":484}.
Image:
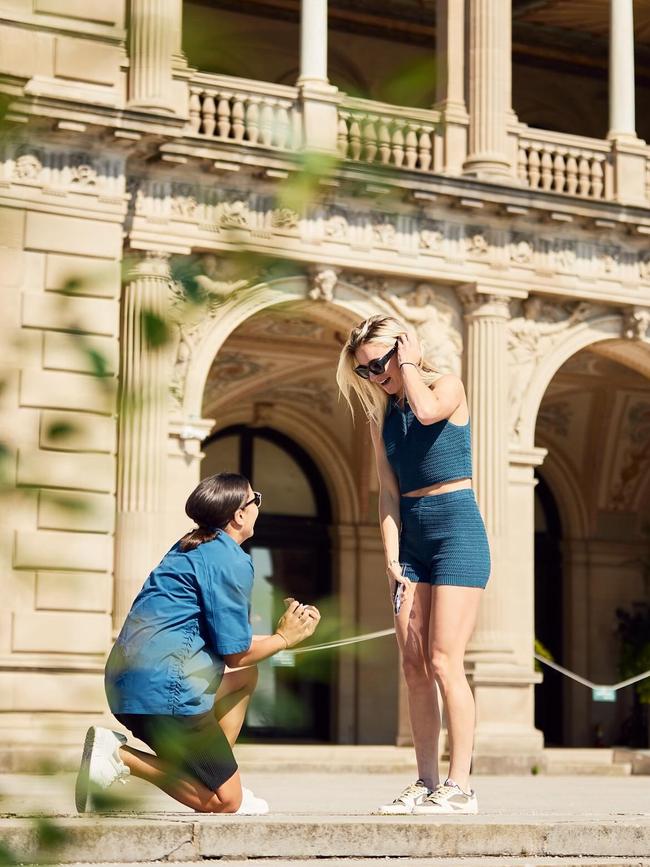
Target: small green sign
{"x":603,"y":693}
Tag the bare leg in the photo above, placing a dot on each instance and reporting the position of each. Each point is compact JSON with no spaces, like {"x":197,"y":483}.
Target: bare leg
{"x":412,"y":629}
{"x":453,"y":616}
{"x":232,"y":698}
{"x":231,"y":701}
{"x":186,"y":790}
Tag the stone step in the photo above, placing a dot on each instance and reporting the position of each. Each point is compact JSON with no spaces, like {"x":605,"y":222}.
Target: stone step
{"x":97,"y":839}
{"x":380,"y":759}
{"x":414,"y":862}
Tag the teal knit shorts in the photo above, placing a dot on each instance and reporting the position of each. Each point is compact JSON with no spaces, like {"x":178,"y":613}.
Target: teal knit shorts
{"x":443,"y":540}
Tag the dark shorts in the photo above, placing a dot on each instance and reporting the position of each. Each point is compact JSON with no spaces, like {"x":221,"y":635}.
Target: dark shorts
{"x":443,"y":540}
{"x":194,"y":745}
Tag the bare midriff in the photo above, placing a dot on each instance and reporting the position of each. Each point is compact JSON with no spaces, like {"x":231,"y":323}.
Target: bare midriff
{"x":440,"y":488}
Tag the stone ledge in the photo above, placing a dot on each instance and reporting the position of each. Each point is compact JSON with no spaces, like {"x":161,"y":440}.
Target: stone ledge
{"x":94,"y":838}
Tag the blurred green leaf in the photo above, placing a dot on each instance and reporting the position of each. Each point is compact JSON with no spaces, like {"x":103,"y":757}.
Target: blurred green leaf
{"x":7,"y":857}
{"x":155,"y":329}
{"x":50,"y":835}
{"x":59,"y":430}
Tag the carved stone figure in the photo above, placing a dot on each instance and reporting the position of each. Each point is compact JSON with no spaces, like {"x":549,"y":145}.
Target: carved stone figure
{"x":323,"y":284}
{"x":529,"y":338}
{"x":434,"y":322}
{"x":636,"y":324}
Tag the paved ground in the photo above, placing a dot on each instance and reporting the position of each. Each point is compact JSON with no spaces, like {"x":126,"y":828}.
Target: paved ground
{"x":514,"y":798}
{"x":525,"y":821}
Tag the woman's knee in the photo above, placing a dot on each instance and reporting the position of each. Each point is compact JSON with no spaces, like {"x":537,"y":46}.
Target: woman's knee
{"x":416,"y":670}
{"x":445,"y":668}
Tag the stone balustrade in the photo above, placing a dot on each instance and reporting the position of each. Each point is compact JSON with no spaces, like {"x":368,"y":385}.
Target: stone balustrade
{"x":241,"y":111}
{"x":266,"y":115}
{"x":559,"y":163}
{"x":387,"y":135}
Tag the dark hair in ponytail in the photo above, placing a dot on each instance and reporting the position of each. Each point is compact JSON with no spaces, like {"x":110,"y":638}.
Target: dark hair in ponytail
{"x":212,"y":504}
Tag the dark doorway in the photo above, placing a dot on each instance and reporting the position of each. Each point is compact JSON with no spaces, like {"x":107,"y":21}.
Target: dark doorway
{"x":549,"y":612}
{"x":292,"y":557}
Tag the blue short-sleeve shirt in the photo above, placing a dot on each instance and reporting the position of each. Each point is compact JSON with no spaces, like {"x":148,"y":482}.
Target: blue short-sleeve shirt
{"x":193,"y":609}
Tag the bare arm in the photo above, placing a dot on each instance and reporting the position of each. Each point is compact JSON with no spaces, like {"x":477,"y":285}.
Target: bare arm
{"x":262,"y":646}
{"x":435,"y":403}
{"x":429,"y":404}
{"x":297,"y":623}
{"x":389,"y":499}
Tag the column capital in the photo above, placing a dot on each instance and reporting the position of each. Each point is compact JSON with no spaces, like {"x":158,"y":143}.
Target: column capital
{"x":483,"y":302}
{"x":149,"y":263}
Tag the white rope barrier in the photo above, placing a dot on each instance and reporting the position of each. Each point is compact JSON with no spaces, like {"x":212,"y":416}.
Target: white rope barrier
{"x":369,"y":636}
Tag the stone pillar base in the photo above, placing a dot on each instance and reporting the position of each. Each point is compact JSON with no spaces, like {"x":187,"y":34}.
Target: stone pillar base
{"x":629,"y":169}
{"x":505,"y":735}
{"x":319,"y":102}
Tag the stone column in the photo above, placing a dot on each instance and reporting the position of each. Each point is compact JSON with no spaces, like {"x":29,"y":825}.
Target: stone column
{"x":501,"y":681}
{"x":319,"y":99}
{"x":490,"y":97}
{"x":153,"y":35}
{"x":450,"y":84}
{"x":621,"y":69}
{"x":142,"y":441}
{"x":629,"y":153}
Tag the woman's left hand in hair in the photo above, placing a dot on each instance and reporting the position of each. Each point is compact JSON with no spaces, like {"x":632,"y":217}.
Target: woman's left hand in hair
{"x":408,"y":348}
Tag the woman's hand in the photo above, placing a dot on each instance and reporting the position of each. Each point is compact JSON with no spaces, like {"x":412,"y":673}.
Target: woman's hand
{"x":394,"y":572}
{"x":408,"y":348}
{"x":298,"y":622}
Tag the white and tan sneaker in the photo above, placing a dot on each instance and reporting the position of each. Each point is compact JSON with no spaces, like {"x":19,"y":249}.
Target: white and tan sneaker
{"x":405,"y":802}
{"x":100,"y":766}
{"x":251,"y":805}
{"x":447,"y":798}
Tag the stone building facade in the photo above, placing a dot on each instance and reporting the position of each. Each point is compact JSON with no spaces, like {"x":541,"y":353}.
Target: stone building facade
{"x":505,"y":214}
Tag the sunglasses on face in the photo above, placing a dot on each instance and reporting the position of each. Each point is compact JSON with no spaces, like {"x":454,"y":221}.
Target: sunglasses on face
{"x":257,"y":499}
{"x":376,"y":366}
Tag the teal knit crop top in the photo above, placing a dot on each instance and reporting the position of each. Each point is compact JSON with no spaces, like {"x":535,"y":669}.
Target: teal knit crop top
{"x":425,"y":454}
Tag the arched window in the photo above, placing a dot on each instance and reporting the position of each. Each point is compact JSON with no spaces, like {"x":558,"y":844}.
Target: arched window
{"x":291,"y":556}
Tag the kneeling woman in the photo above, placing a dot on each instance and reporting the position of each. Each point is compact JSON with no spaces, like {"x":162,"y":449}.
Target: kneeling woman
{"x":165,"y":679}
{"x":437,"y":555}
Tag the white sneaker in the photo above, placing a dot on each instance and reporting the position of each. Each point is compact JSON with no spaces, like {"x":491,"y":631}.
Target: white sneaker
{"x":251,"y":805}
{"x":406,"y":800}
{"x":448,"y":798}
{"x":100,"y":765}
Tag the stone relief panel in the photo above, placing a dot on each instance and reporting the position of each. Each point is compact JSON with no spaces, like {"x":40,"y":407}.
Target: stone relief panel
{"x":224,"y":214}
{"x":634,"y":463}
{"x":555,"y":417}
{"x":24,"y":164}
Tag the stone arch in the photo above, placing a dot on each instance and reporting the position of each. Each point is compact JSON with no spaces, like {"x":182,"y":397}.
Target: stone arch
{"x":322,"y":447}
{"x":351,"y":303}
{"x":570,"y":501}
{"x":602,"y":327}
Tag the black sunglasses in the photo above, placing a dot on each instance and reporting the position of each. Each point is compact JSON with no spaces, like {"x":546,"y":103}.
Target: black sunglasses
{"x":257,"y":499}
{"x":376,"y":366}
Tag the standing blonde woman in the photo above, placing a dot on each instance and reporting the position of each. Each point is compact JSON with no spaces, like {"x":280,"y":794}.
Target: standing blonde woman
{"x":436,"y":547}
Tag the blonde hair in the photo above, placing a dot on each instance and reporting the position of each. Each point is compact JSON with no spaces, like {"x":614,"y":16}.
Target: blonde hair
{"x":382,"y":331}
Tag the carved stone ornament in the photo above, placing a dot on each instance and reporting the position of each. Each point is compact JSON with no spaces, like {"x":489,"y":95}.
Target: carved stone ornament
{"x":27,"y":167}
{"x":284,"y":218}
{"x":531,"y":335}
{"x":636,"y":324}
{"x":192,"y":319}
{"x":323,"y":284}
{"x":84,"y":174}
